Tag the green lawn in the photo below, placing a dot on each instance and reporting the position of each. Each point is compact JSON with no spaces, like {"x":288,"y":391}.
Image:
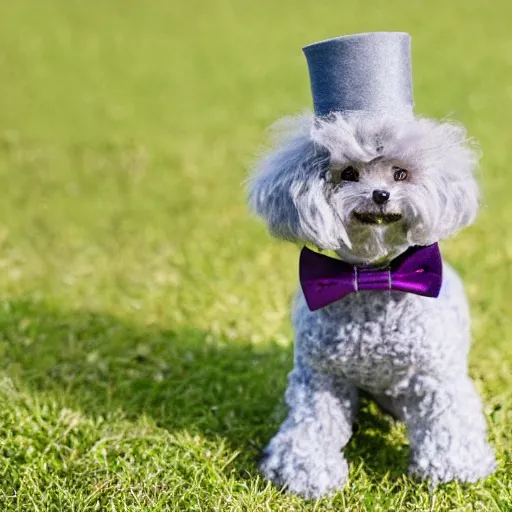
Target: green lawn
{"x":144,"y":315}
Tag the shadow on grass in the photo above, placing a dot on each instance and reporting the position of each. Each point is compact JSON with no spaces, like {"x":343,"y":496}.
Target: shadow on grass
{"x":371,"y":447}
{"x":180,"y":378}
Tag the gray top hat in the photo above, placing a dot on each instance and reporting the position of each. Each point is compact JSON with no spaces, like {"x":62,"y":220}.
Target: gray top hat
{"x":362,"y":73}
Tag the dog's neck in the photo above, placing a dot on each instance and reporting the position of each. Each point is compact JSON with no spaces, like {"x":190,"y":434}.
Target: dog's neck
{"x":375,"y":261}
{"x":374,"y":246}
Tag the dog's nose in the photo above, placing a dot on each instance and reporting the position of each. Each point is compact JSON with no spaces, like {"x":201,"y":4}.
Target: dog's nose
{"x":380,"y":196}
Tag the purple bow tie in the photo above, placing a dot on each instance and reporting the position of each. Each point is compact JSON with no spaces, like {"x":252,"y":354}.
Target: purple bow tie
{"x":324,"y":280}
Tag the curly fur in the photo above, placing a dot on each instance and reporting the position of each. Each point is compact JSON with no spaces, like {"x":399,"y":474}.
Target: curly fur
{"x":289,"y":188}
{"x":409,"y":352}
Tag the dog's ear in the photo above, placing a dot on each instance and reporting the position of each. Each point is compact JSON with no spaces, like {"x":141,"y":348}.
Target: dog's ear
{"x":277,"y":180}
{"x":288,"y":189}
{"x":447,"y":193}
{"x":461,"y":159}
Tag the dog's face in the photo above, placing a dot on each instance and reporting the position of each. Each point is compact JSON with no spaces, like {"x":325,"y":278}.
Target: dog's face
{"x":367,"y":188}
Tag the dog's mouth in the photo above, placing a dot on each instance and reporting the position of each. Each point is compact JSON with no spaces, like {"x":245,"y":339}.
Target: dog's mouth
{"x":377,"y":218}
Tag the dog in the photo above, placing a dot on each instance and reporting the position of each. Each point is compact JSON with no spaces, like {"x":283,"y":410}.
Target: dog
{"x":368,"y":189}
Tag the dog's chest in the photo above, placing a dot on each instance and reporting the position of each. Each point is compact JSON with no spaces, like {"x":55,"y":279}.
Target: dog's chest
{"x":377,"y":339}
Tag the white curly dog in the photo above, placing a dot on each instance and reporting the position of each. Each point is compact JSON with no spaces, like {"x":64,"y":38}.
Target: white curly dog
{"x":317,"y":186}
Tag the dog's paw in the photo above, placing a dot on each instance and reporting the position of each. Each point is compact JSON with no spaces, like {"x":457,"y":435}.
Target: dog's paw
{"x":310,"y":472}
{"x":464,"y":465}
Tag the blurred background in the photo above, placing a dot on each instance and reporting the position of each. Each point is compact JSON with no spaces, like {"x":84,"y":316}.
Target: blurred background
{"x":136,"y":291}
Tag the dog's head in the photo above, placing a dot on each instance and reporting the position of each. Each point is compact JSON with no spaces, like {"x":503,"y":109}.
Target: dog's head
{"x":367,"y":188}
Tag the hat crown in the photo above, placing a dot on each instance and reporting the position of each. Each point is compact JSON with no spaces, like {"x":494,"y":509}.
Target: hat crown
{"x":368,"y":72}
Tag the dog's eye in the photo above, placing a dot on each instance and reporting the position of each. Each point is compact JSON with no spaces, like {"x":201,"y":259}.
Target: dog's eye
{"x":350,"y":174}
{"x":400,"y":174}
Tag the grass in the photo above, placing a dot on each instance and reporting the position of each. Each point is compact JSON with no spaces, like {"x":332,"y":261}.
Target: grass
{"x":144,"y":331}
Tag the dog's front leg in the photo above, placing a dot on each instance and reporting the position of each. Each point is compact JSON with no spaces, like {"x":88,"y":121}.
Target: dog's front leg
{"x":306,"y":455}
{"x":447,"y":430}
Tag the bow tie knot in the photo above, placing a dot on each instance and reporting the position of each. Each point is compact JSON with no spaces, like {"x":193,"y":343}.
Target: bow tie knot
{"x":368,"y":279}
{"x":325,"y":280}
